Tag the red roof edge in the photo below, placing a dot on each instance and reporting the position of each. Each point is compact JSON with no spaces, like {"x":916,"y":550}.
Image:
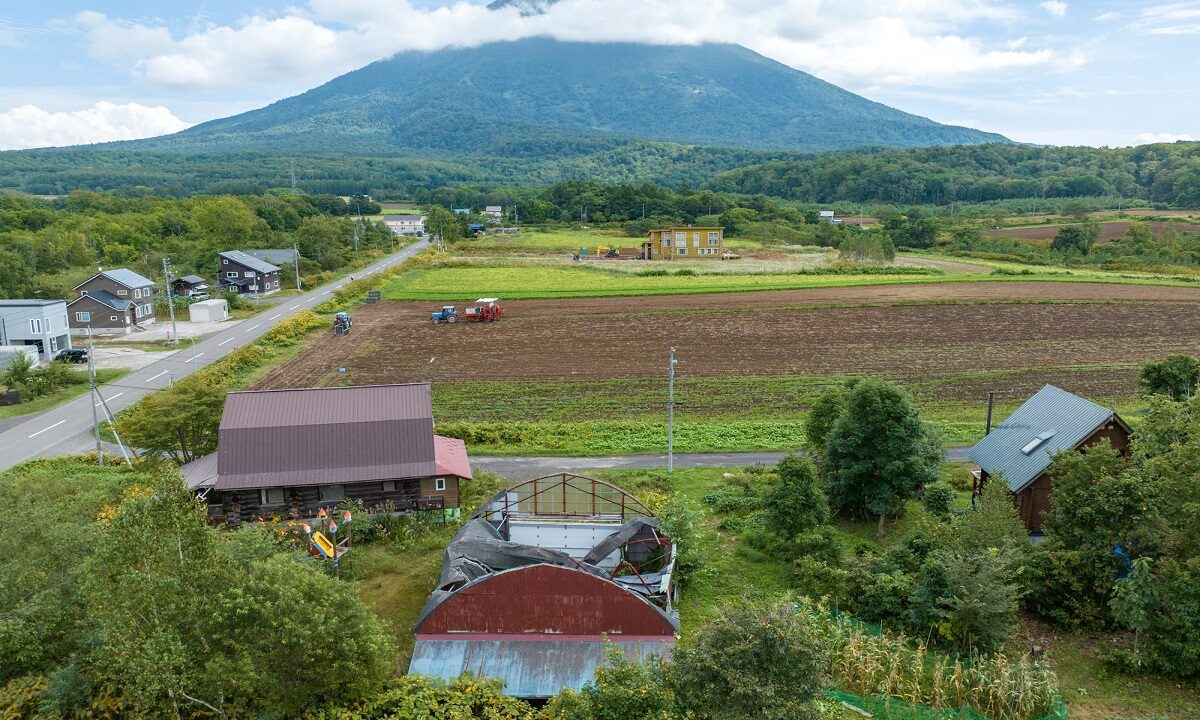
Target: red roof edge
{"x":450,"y":457}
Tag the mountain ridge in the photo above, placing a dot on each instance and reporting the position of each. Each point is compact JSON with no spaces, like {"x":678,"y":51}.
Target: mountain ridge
{"x":467,"y":99}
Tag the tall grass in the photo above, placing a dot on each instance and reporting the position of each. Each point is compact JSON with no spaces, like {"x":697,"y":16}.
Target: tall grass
{"x":867,"y":663}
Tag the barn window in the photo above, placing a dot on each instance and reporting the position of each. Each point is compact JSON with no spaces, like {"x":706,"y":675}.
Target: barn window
{"x":439,"y":484}
{"x":270,"y":496}
{"x":333,"y":492}
{"x":388,"y":486}
{"x":1035,"y":443}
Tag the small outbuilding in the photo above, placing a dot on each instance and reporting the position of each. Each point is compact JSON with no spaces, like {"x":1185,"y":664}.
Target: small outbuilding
{"x":1021,"y":448}
{"x":190,"y":286}
{"x":208,"y":311}
{"x":540,"y":579}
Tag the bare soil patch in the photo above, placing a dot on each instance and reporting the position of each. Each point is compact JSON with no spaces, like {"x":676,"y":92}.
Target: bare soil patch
{"x":1087,"y":336}
{"x":1108,"y":230}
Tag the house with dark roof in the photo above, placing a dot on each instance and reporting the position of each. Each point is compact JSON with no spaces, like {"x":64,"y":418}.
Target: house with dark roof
{"x":246,"y":274}
{"x":293,"y":452}
{"x":1020,"y":449}
{"x":190,"y":286}
{"x":112,"y":301}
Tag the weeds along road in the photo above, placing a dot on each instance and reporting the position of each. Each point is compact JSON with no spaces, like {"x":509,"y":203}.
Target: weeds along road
{"x":63,"y":430}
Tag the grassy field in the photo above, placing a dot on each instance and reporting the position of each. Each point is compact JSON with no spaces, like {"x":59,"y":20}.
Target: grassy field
{"x":557,"y":241}
{"x":446,"y":284}
{"x":74,"y":390}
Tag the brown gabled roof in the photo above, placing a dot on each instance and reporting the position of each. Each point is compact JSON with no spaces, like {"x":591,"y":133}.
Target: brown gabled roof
{"x":324,"y":436}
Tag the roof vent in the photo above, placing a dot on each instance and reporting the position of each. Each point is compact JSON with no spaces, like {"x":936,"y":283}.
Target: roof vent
{"x":1035,"y":443}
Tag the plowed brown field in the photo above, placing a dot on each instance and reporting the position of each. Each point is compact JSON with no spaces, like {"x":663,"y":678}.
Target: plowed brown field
{"x":1064,"y":330}
{"x":1108,"y":231}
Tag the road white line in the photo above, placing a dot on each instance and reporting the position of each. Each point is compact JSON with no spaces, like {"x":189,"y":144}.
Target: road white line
{"x":164,"y":372}
{"x":39,"y":432}
{"x":294,"y":306}
{"x":326,"y":292}
{"x":254,"y":328}
{"x":275,"y":316}
{"x":114,"y":397}
{"x":193,"y":357}
{"x":225,"y":341}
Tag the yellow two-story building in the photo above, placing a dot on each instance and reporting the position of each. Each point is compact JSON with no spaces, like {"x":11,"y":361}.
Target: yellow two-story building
{"x":684,"y":243}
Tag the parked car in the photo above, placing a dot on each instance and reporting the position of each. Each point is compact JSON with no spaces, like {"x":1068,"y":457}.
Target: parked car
{"x":74,"y":355}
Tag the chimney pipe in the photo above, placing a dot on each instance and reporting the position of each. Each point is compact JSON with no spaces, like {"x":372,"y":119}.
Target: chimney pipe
{"x":991,"y":400}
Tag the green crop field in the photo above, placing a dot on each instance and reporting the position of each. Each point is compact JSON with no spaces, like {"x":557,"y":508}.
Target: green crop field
{"x":515,"y":281}
{"x":557,"y":241}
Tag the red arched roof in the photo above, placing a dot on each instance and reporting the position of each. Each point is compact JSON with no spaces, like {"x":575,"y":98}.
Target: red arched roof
{"x":546,"y":600}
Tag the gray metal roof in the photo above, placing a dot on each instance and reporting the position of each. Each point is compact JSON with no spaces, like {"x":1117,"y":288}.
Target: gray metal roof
{"x":201,"y":472}
{"x":104,"y":297}
{"x":403,"y":218}
{"x":1050,"y":422}
{"x":281,"y":256}
{"x":128,"y":278}
{"x":191,"y":279}
{"x":323,"y":436}
{"x":529,"y":668}
{"x":249,"y":261}
{"x":30,"y":303}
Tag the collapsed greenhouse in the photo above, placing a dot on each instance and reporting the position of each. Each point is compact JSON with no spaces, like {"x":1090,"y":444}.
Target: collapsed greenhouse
{"x":540,"y":578}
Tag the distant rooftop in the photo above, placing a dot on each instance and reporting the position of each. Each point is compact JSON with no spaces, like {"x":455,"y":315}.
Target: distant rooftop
{"x":248,"y":261}
{"x":29,"y":303}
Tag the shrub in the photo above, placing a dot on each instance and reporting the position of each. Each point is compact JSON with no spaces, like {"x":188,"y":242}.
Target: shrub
{"x":724,"y":501}
{"x":1068,"y":587}
{"x":622,"y":689}
{"x":679,"y":524}
{"x":969,"y":601}
{"x":795,"y":504}
{"x":293,"y":330}
{"x":938,"y":499}
{"x":751,"y":662}
{"x":417,"y":697}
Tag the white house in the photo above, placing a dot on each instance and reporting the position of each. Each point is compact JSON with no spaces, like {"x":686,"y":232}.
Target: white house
{"x":39,"y":323}
{"x":405,"y":224}
{"x":494,"y":212}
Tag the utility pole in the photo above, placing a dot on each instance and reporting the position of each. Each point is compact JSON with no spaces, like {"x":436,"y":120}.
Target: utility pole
{"x":170,"y":300}
{"x":296,"y":263}
{"x":93,"y":394}
{"x":671,"y":411}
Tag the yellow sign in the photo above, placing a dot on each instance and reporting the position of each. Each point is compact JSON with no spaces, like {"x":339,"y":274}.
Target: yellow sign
{"x":323,"y":545}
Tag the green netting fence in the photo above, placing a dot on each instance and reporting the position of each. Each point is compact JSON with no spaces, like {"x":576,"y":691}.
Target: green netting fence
{"x":887,"y":708}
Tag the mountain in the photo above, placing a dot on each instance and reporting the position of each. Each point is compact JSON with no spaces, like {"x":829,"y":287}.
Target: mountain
{"x":496,"y":98}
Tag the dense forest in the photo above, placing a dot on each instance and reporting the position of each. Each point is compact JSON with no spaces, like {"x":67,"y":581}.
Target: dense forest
{"x":1161,"y":174}
{"x":47,"y":247}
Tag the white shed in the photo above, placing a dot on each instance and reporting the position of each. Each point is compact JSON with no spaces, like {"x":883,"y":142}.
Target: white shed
{"x":209,"y":311}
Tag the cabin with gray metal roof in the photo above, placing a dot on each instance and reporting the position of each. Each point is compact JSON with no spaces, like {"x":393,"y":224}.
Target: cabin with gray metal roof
{"x":1021,"y":448}
{"x":246,"y":274}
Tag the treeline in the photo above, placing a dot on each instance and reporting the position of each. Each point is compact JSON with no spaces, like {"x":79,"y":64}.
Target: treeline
{"x":1160,"y":174}
{"x":47,"y":247}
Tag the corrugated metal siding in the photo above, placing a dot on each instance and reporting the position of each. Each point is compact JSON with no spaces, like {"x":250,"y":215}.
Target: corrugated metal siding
{"x":1071,"y":417}
{"x":327,"y":406}
{"x":544,"y":599}
{"x":529,"y":669}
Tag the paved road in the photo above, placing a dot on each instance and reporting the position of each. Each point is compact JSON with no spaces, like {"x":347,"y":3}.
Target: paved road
{"x":524,"y":468}
{"x":66,"y":429}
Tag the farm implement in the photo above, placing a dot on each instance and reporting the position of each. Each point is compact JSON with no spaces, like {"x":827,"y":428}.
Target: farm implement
{"x":484,"y":310}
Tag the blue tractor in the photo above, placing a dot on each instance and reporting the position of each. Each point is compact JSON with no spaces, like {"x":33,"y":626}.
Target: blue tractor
{"x":448,"y":313}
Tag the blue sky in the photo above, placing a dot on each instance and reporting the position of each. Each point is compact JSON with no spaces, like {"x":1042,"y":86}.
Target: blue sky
{"x":1060,"y":71}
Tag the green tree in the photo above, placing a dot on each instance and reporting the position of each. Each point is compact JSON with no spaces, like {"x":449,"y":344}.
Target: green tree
{"x":969,"y":601}
{"x":1099,"y":503}
{"x":622,"y":689}
{"x":795,"y":503}
{"x":1076,"y":238}
{"x":826,"y":409}
{"x":749,"y":662}
{"x":994,"y":522}
{"x":1134,"y":598}
{"x":441,"y":222}
{"x":879,"y":452}
{"x":181,"y":421}
{"x":1175,"y":377}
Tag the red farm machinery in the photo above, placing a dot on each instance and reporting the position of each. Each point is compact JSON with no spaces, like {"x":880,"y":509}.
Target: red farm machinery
{"x":484,"y":310}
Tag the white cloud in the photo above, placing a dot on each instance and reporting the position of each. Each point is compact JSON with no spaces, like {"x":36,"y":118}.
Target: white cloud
{"x":29,"y":126}
{"x":1107,"y":16}
{"x":881,"y":43}
{"x":1057,"y":8}
{"x":1145,"y":138}
{"x":1181,"y":18}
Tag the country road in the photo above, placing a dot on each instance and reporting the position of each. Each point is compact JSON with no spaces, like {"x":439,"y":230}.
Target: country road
{"x":525,"y":468}
{"x":65,"y":429}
